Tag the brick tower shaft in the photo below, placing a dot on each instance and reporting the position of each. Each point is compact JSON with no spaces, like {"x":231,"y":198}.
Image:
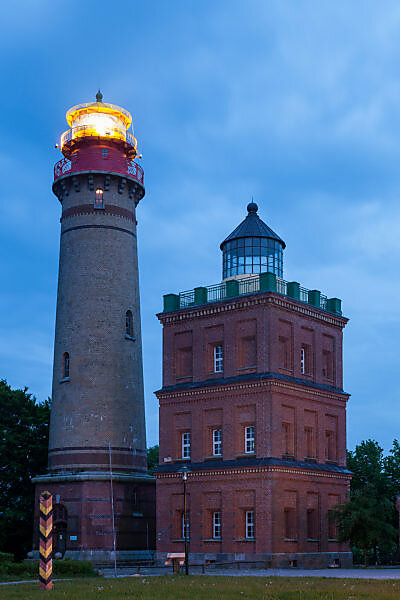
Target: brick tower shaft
{"x":97,"y":419}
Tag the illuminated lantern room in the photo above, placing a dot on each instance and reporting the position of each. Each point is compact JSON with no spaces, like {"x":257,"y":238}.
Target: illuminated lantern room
{"x":252,"y":248}
{"x":98,"y":123}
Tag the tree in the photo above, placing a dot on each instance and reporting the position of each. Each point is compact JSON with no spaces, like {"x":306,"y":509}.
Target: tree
{"x":365,"y":521}
{"x":152,"y":458}
{"x":368,"y":519}
{"x":24,"y":429}
{"x":392,"y":469}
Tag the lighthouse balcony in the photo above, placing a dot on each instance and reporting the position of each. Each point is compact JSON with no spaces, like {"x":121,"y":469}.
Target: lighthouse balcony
{"x":256,"y":284}
{"x":99,"y":159}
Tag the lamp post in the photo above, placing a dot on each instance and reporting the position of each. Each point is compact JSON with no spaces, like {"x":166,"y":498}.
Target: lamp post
{"x":185,"y":523}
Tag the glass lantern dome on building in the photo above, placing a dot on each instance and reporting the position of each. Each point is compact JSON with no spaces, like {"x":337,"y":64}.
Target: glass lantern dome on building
{"x":99,"y":122}
{"x":252,"y":248}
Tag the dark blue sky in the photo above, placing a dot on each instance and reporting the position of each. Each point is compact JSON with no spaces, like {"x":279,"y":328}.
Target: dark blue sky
{"x":294,"y":103}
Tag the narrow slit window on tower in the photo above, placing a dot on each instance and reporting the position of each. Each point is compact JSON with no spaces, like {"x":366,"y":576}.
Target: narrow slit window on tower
{"x":129,"y":324}
{"x":99,"y":200}
{"x":65,"y":366}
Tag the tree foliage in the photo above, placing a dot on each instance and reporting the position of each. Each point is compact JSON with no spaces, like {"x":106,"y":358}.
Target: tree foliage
{"x":152,"y":458}
{"x":24,"y":427}
{"x":369,"y":519}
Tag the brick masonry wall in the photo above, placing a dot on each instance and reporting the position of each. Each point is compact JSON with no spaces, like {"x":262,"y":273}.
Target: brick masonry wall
{"x":267,"y":331}
{"x":89,"y":516}
{"x":102,"y":402}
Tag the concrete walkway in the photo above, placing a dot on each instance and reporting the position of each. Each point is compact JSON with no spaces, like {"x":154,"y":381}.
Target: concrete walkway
{"x":334,"y":573}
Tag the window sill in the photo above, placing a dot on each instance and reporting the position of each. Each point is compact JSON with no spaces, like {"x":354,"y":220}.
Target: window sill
{"x":333,"y":540}
{"x":137,"y":514}
{"x":212,"y":540}
{"x":185,"y":378}
{"x":253,"y":539}
{"x":130,"y":337}
{"x":312,"y":540}
{"x":310,"y":459}
{"x":181,"y":459}
{"x":247,"y":368}
{"x":180,"y":540}
{"x":245,"y":454}
{"x":290,"y":540}
{"x":213,"y":457}
{"x":64,"y":380}
{"x":331,"y":461}
{"x":288,"y":456}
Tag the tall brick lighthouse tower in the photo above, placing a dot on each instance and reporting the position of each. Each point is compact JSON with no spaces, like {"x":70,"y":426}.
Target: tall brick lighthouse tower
{"x":252,"y":414}
{"x":97,"y":448}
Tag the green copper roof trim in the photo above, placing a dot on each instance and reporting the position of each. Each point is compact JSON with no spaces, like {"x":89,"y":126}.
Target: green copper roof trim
{"x":256,"y":284}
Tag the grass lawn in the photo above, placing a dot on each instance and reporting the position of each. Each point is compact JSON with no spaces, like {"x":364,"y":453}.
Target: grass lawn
{"x":172,"y":587}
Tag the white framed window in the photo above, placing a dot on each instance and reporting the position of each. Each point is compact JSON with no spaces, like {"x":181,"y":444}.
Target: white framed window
{"x":303,"y":360}
{"x":218,"y":359}
{"x":217,"y":442}
{"x":249,"y":439}
{"x":249,"y":524}
{"x":187,"y":525}
{"x":186,"y":444}
{"x":216,"y":522}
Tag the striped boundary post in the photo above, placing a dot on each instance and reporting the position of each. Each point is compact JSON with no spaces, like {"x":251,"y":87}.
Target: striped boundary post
{"x":46,"y":541}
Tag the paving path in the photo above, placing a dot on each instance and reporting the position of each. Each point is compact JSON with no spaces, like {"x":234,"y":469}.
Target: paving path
{"x":335,"y":573}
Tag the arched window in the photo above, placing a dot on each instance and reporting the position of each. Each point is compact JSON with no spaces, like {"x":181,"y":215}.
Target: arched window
{"x":129,"y":323}
{"x":65,"y":366}
{"x":99,"y":200}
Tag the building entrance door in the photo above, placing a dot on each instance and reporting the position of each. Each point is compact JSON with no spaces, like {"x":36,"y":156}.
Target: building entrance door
{"x":60,"y":529}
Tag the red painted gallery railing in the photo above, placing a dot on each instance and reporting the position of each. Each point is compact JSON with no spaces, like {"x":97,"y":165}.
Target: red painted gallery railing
{"x":98,"y":160}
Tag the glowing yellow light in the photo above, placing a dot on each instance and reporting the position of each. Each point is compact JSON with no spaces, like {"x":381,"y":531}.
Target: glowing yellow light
{"x":98,"y":119}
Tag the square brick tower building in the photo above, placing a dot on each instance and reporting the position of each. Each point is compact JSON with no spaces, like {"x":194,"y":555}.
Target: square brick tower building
{"x":253,"y":410}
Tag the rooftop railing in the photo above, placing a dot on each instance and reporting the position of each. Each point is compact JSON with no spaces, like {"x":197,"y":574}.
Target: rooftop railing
{"x":265,"y":282}
{"x":98,"y":160}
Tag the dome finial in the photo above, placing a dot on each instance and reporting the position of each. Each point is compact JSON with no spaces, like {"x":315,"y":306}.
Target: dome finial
{"x":99,"y":96}
{"x":252,"y":208}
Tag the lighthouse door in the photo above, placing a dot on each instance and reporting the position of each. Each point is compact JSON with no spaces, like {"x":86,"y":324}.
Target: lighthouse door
{"x":60,"y":529}
{"x":60,"y":538}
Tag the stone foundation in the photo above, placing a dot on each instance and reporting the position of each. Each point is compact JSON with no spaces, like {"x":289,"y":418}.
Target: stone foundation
{"x":306,"y":560}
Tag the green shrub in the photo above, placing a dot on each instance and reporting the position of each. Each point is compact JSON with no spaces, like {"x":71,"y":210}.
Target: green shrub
{"x":61,"y":568}
{"x":6,"y":557}
{"x":73,"y":567}
{"x":21,"y":569}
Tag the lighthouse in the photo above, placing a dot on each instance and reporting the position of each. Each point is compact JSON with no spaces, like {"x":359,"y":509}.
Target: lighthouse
{"x":103,"y":497}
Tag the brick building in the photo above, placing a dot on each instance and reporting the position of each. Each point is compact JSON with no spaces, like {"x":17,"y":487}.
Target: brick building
{"x":97,"y":469}
{"x":252,"y":407}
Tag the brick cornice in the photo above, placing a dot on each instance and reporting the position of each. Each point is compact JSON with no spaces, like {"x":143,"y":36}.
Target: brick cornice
{"x":86,"y":209}
{"x":210,"y":473}
{"x":268,"y":384}
{"x":245,"y":302}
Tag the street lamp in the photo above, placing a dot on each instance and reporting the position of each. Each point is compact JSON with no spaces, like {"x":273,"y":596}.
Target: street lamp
{"x":185,"y":523}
